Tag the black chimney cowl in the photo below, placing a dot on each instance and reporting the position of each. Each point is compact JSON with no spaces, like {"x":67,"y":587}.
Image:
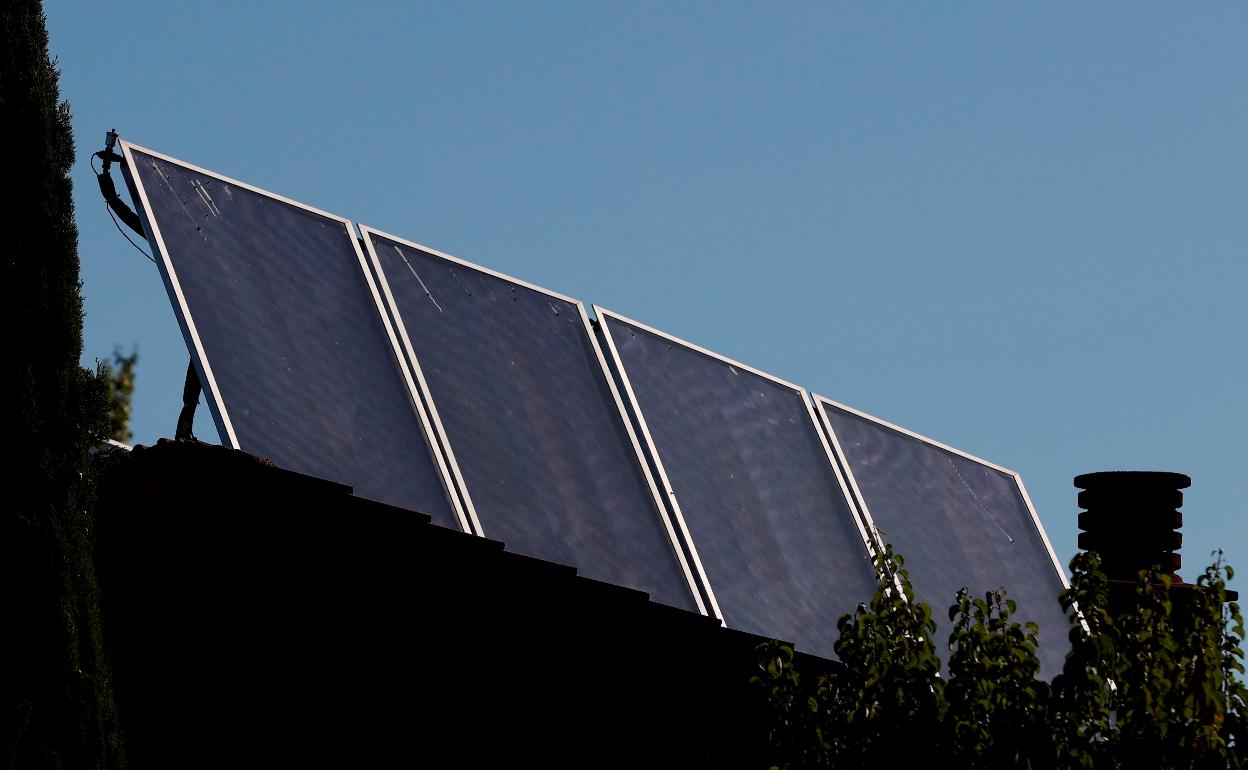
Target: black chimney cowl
{"x":1131,"y":519}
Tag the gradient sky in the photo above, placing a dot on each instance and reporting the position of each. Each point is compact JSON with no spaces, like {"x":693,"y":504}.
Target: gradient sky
{"x":1019,"y":230}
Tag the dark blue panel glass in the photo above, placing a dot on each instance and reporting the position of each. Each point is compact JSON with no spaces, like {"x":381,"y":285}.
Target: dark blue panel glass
{"x":957,"y":523}
{"x":530,"y":418}
{"x":293,"y":335}
{"x":774,"y":531}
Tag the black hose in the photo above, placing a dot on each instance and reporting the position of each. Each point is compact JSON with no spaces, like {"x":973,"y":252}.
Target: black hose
{"x":109,"y":190}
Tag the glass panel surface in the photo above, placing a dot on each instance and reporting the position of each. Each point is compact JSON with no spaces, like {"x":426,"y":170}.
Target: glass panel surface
{"x":765,"y":510}
{"x":295,"y":340}
{"x":957,"y":522}
{"x":541,"y":444}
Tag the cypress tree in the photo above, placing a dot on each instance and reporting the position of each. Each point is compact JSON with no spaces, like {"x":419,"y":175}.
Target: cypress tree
{"x":55,"y":707}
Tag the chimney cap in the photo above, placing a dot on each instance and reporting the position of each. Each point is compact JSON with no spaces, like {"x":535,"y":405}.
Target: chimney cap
{"x":1133,"y":479}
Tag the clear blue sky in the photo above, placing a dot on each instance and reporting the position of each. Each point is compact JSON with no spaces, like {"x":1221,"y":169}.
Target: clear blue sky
{"x":1019,"y":230}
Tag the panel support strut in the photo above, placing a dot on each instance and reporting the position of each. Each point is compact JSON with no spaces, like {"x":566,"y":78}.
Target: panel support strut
{"x":190,"y":400}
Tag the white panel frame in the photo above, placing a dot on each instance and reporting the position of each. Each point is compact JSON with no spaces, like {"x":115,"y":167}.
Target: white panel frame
{"x":208,"y":381}
{"x":369,"y":233}
{"x":604,"y":316}
{"x":862,"y":501}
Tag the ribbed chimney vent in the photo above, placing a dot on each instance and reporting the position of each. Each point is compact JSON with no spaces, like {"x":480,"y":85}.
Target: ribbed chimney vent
{"x":1130,"y":518}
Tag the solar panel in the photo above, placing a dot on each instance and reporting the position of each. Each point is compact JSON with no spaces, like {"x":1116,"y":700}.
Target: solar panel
{"x":534,"y":429}
{"x":956,"y":519}
{"x":752,"y":481}
{"x":285,"y":327}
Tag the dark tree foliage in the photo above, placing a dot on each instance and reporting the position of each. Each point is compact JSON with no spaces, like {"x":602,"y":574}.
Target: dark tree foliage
{"x":993,"y":695}
{"x":119,"y":377}
{"x":887,"y":677}
{"x":1160,"y":686}
{"x":55,"y":707}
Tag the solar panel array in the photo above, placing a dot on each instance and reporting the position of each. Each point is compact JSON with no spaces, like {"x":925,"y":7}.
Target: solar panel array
{"x":500,"y":409}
